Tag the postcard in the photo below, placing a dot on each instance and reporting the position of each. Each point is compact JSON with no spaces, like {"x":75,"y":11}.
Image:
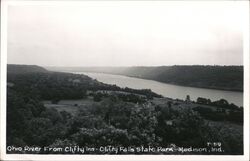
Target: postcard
{"x":125,"y":80}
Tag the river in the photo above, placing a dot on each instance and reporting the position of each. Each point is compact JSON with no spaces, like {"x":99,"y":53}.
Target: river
{"x":167,"y":90}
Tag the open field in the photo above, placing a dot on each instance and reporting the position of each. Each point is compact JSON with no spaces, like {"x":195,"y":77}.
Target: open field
{"x":71,"y":106}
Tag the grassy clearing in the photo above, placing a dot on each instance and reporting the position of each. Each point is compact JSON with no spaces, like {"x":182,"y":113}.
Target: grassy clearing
{"x":71,"y":106}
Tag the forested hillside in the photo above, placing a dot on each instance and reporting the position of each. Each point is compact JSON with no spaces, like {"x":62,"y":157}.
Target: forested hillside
{"x":22,"y":69}
{"x":214,"y":77}
{"x":56,"y":109}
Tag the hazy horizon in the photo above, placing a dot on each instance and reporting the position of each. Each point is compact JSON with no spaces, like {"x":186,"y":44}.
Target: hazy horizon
{"x":122,"y":34}
{"x":120,"y":66}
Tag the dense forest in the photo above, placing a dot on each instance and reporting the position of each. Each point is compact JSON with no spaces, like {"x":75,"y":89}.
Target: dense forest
{"x":39,"y":114}
{"x":214,"y":77}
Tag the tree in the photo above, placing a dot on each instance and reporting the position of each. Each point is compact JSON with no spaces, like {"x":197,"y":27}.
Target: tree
{"x":188,"y":99}
{"x":97,"y":97}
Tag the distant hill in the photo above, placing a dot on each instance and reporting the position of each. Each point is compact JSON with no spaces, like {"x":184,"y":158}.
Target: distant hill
{"x":213,"y":77}
{"x":21,"y":69}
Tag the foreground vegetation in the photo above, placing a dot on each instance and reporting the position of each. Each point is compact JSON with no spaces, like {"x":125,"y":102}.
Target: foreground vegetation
{"x":96,"y":114}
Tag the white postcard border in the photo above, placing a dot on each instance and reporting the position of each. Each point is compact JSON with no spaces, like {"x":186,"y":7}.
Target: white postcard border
{"x":4,"y":156}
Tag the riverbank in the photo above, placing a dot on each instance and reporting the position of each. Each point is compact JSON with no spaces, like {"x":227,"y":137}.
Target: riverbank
{"x":229,"y":78}
{"x":167,"y":90}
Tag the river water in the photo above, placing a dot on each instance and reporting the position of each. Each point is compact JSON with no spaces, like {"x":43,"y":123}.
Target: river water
{"x":167,"y":90}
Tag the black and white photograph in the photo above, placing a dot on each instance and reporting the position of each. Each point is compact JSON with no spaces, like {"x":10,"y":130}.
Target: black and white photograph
{"x":125,"y":78}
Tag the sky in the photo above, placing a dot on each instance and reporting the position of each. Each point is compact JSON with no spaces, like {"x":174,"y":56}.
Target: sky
{"x":126,"y":33}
